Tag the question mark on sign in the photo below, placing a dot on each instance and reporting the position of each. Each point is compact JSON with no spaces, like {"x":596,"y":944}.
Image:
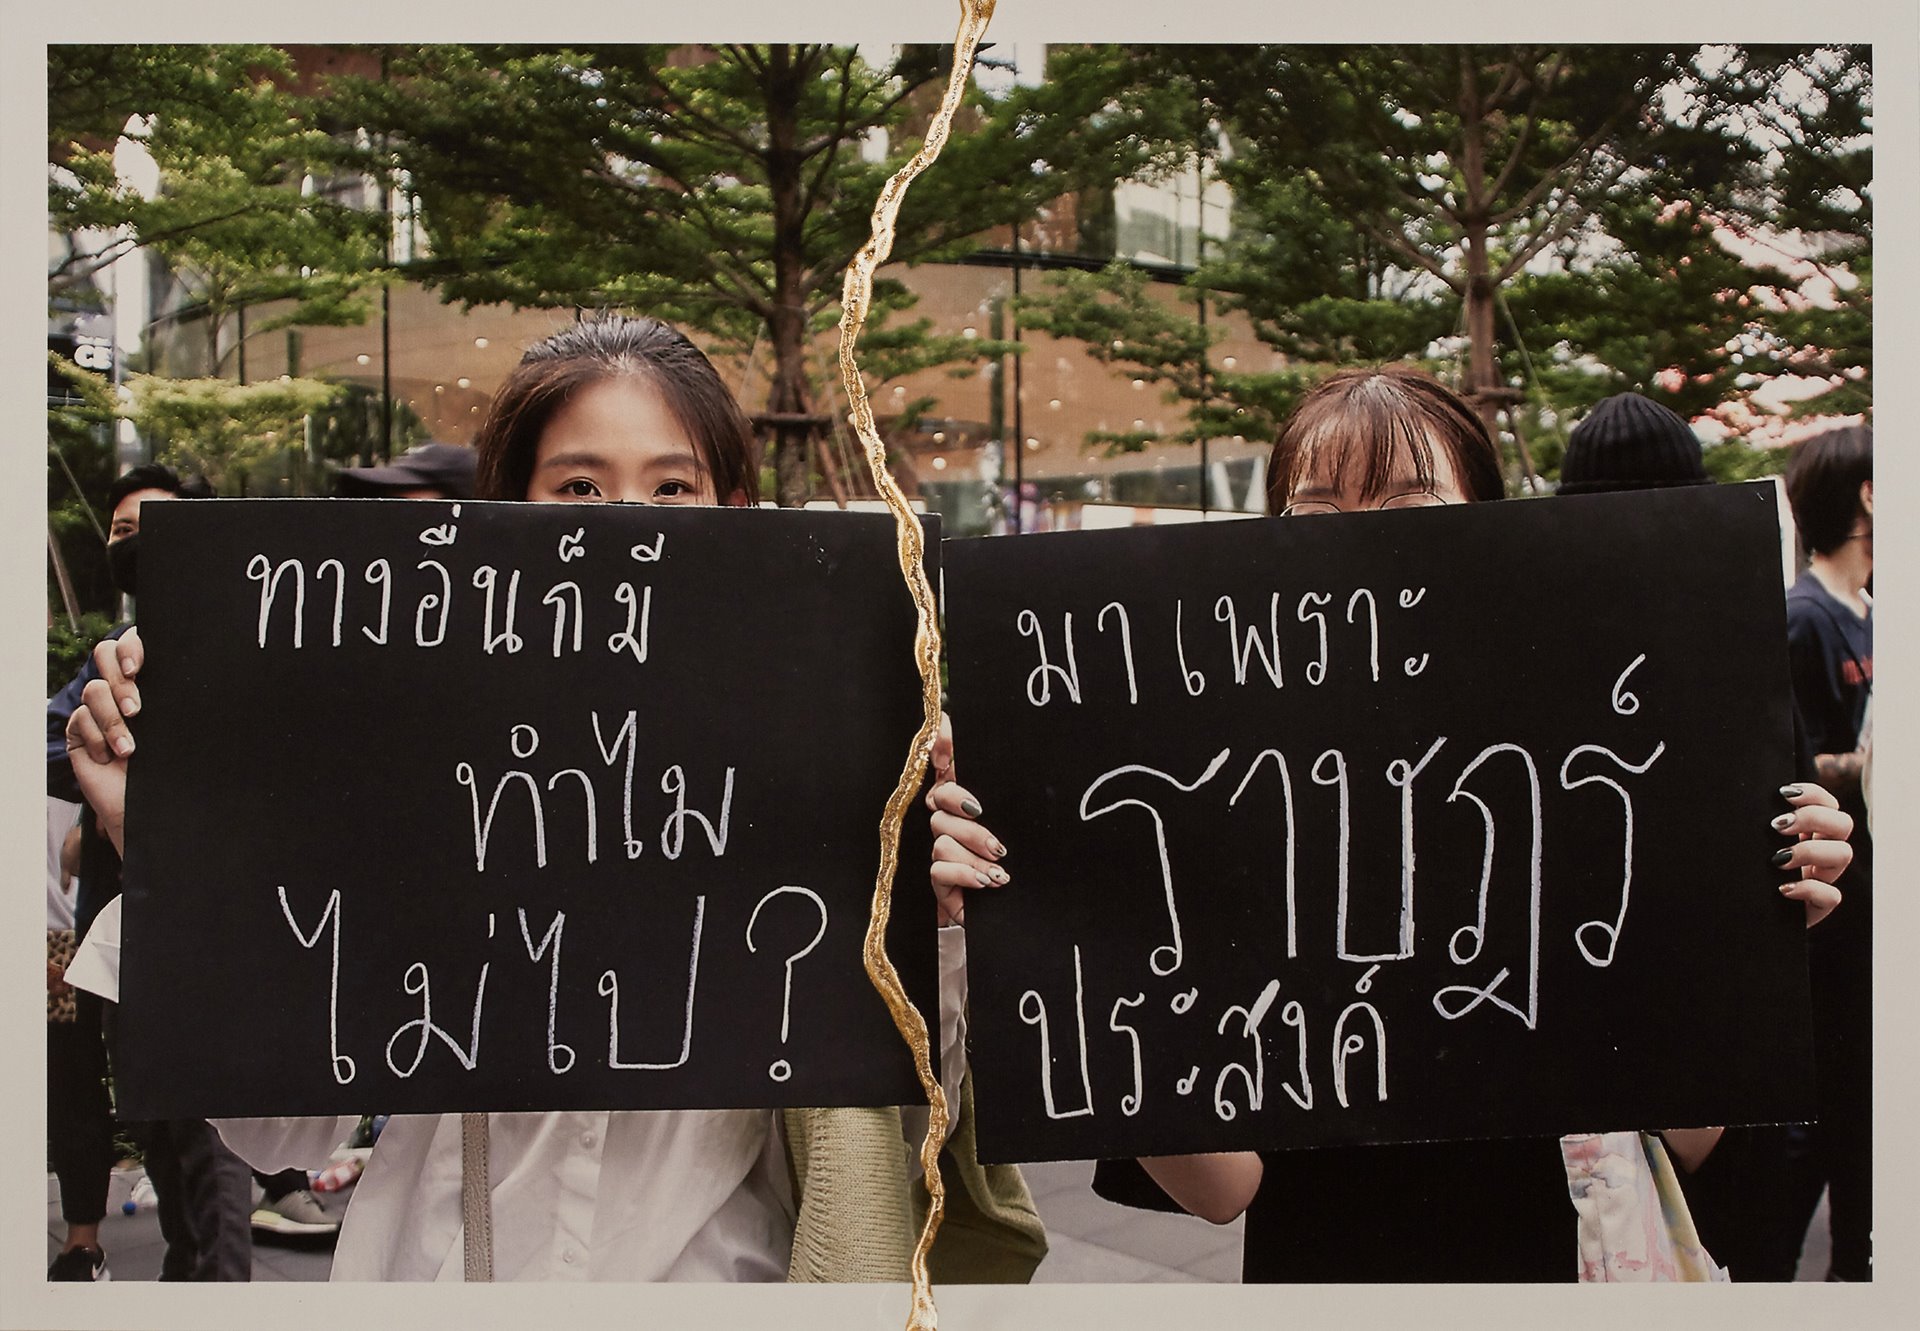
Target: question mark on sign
{"x":781,"y":1069}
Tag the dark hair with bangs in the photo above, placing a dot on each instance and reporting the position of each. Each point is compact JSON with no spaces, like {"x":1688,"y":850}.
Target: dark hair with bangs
{"x":1359,"y":420}
{"x":1823,"y":485}
{"x":556,"y":368}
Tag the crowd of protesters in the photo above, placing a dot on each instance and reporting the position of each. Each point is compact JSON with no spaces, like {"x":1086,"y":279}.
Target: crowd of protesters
{"x":628,"y":410}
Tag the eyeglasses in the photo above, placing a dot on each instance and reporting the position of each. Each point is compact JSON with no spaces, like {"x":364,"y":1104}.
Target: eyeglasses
{"x":1407,"y":499}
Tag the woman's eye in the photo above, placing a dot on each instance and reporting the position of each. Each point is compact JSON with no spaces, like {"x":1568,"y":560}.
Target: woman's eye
{"x":673,"y":490}
{"x":580,"y":488}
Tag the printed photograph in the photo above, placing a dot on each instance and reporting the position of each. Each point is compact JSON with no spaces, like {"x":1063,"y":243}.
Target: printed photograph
{"x":741,"y":697}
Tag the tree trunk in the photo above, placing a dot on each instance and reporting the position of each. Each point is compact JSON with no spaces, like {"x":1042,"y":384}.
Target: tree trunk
{"x":1520,"y":445}
{"x":1483,"y":375}
{"x":69,"y":602}
{"x":789,"y":397}
{"x":836,"y":458}
{"x":788,"y":401}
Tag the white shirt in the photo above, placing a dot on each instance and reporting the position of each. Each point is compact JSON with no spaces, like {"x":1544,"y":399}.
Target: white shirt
{"x":669,"y":1195}
{"x":61,"y":816}
{"x":622,"y":1195}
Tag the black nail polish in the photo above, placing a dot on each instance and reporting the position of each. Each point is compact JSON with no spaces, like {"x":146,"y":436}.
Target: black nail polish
{"x":1781,"y":857}
{"x":970,"y":807}
{"x":1791,"y":792}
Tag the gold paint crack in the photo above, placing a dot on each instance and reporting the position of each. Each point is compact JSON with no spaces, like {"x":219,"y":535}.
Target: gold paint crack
{"x":856,"y":296}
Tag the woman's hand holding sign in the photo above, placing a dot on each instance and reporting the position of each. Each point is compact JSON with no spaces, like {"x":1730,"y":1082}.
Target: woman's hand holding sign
{"x":98,"y":742}
{"x":1820,"y":853}
{"x":965,"y":854}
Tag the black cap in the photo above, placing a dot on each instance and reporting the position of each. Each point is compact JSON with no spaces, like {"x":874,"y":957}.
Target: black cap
{"x":1628,"y":442}
{"x":448,"y":468}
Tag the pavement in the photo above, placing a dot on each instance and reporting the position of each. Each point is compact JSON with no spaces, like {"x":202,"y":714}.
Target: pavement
{"x":134,"y":1247}
{"x":1090,"y":1240}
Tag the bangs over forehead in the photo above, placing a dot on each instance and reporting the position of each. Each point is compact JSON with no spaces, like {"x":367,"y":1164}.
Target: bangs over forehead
{"x":1375,"y":430}
{"x":558,"y":367}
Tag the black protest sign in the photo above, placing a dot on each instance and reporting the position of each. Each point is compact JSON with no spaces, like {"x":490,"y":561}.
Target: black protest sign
{"x":458,"y":807}
{"x":1380,"y":827}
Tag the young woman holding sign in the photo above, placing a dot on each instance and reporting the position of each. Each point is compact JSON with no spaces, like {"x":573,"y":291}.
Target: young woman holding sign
{"x":1388,"y":438}
{"x":619,"y":411}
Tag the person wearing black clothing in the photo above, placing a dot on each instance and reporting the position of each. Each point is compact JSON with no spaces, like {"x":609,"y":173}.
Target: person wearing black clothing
{"x":1451,"y":1211}
{"x":1830,"y":649}
{"x":1747,"y":1202}
{"x":203,"y":1190}
{"x":80,"y":1148}
{"x":79,"y":1106}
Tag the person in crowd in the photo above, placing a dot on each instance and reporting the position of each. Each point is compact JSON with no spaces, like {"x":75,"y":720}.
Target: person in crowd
{"x":202,"y":1188}
{"x":1630,"y":442}
{"x":1387,"y":438}
{"x":1748,"y":1196}
{"x":425,"y":471}
{"x":622,"y":410}
{"x":79,"y":1109}
{"x":1830,"y":648}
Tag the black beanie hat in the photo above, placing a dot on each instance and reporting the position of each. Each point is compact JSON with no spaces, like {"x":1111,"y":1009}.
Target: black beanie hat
{"x":1628,"y":442}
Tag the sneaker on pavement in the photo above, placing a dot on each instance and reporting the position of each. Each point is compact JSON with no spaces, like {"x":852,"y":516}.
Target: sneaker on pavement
{"x":298,"y":1212}
{"x":81,"y":1263}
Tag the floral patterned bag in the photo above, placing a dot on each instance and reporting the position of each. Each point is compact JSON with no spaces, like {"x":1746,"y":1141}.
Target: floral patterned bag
{"x":61,"y":945}
{"x":1634,"y":1221}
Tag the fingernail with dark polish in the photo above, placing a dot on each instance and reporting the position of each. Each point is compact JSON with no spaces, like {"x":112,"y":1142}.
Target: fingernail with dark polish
{"x":1783,"y":822}
{"x":999,"y":851}
{"x":1791,"y":792}
{"x":970,"y":807}
{"x":1781,"y":857}
{"x":1000,"y":876}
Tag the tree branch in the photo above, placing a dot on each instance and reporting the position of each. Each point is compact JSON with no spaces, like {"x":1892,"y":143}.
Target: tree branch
{"x":689,"y":196}
{"x":1563,"y":219}
{"x":1530,"y":121}
{"x":1583,"y":152}
{"x":715,"y":132}
{"x":811,"y":193}
{"x":1401,"y":246}
{"x":747,"y":56}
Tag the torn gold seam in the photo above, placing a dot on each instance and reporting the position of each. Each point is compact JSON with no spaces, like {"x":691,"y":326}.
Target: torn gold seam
{"x":856,"y":296}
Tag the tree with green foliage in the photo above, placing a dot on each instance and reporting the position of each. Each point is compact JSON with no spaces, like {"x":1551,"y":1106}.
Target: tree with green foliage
{"x":1114,"y":313}
{"x":1719,"y":282}
{"x":724,"y":188}
{"x":236,"y":215}
{"x":1462,"y":164}
{"x":1813,"y":210}
{"x":239,"y":436}
{"x":891,"y":350}
{"x":80,"y":419}
{"x":1561,"y":212}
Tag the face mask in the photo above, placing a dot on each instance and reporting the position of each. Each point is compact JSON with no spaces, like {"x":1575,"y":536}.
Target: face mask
{"x":123,"y":562}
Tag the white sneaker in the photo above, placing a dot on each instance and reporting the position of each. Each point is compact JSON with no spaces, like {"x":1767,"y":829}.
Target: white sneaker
{"x":298,"y":1212}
